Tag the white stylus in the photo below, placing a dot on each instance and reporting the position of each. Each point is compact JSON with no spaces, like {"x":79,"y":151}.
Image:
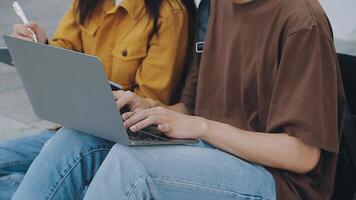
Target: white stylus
{"x":23,"y":17}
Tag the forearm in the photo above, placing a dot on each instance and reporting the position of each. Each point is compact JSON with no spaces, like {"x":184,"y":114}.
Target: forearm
{"x":272,"y":150}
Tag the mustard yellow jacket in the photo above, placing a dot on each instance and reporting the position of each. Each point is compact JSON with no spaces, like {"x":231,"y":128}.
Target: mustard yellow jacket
{"x":120,"y":36}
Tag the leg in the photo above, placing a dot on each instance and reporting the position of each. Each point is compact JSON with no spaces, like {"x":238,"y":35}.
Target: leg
{"x":179,"y":172}
{"x":16,"y":157}
{"x":64,"y":167}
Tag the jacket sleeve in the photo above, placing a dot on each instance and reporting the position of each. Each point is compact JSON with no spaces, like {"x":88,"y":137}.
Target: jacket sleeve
{"x":68,"y":34}
{"x":160,"y":72}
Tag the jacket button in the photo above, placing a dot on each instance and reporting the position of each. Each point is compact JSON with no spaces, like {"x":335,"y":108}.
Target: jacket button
{"x":125,"y":53}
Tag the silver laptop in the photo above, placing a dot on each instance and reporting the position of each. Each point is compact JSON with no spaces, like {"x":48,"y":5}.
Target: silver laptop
{"x":71,"y":88}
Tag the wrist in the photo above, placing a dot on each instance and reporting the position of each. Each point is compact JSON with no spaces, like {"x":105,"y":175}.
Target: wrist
{"x":201,"y":127}
{"x":152,"y":103}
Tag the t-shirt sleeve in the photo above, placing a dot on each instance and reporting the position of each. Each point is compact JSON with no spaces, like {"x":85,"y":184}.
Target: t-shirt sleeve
{"x":307,"y":99}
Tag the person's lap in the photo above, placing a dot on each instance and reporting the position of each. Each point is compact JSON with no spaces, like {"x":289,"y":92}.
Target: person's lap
{"x":16,"y":156}
{"x":178,"y":172}
{"x":64,"y":167}
{"x":70,"y":160}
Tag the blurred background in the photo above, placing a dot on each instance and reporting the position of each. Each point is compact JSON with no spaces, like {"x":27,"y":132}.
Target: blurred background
{"x":16,"y":116}
{"x":342,"y":16}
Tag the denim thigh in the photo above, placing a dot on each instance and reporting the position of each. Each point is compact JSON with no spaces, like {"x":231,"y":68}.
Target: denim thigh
{"x":179,"y":172}
{"x":16,"y":155}
{"x":66,"y":164}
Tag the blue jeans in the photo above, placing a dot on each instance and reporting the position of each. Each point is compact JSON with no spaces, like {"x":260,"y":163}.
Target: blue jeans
{"x":71,"y":159}
{"x":198,"y":172}
{"x":16,"y":157}
{"x":64,"y":167}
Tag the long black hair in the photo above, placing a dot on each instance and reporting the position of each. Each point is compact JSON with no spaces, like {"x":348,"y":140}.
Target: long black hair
{"x":87,"y":7}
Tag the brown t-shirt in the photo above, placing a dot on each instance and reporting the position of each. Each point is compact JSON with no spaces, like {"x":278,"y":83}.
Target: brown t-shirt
{"x":270,"y":66}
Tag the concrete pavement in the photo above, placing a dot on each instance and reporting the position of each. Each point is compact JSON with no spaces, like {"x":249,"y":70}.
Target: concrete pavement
{"x":16,"y":116}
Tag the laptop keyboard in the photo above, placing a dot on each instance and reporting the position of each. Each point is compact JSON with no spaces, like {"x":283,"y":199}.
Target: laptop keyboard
{"x":148,"y":134}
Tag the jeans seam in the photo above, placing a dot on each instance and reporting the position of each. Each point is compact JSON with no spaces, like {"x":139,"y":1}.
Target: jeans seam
{"x":71,"y":168}
{"x":209,"y":187}
{"x":135,"y":186}
{"x":9,"y":164}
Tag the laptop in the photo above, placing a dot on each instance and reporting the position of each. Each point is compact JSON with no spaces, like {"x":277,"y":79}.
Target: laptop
{"x":72,"y":89}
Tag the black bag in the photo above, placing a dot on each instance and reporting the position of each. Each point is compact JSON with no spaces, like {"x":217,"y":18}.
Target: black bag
{"x":345,"y":183}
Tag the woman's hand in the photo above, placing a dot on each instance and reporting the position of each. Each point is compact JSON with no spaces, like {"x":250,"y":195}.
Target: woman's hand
{"x":132,"y":101}
{"x":21,"y":31}
{"x":173,"y":124}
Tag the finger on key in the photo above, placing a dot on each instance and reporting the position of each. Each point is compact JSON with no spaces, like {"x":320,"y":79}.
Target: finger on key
{"x":127,"y":115}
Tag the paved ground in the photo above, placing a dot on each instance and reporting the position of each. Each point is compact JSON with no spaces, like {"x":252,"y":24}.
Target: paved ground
{"x":16,"y":115}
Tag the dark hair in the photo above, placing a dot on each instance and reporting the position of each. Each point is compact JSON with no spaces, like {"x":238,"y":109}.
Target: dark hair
{"x":87,"y":7}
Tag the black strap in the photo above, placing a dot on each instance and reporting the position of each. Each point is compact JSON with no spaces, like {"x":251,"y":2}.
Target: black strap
{"x":202,"y":24}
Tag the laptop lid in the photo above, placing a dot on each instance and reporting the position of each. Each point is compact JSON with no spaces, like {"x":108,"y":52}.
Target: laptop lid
{"x":68,"y":88}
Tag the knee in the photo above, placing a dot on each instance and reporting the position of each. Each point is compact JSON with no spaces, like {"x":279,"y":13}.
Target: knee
{"x":125,"y":173}
{"x":69,"y":136}
{"x":118,"y":155}
{"x":74,"y":141}
{"x":122,"y":160}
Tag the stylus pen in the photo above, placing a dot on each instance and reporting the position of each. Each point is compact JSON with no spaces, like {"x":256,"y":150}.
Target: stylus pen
{"x":23,"y":17}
